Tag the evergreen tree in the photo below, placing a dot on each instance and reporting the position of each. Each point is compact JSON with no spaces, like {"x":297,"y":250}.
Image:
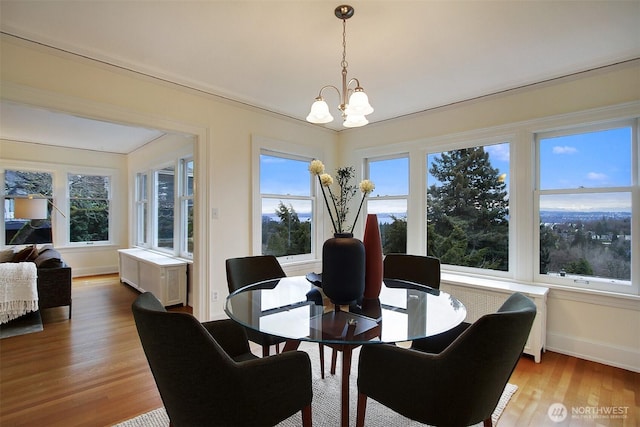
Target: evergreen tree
{"x":467,"y":212}
{"x":547,"y":243}
{"x":289,"y":236}
{"x":394,"y":236}
{"x":89,"y":221}
{"x":580,"y":266}
{"x":579,"y":239}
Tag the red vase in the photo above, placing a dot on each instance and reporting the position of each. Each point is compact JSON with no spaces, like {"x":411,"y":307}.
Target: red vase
{"x":373,"y":258}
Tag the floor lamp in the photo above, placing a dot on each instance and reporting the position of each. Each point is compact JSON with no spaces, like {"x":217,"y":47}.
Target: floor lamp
{"x":31,"y":208}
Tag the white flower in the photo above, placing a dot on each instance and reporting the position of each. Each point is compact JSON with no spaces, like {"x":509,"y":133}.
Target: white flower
{"x":316,"y":167}
{"x":367,"y":186}
{"x":326,"y":179}
{"x":340,"y":201}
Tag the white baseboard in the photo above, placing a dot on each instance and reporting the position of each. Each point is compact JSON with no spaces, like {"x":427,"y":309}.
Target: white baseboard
{"x":93,"y":271}
{"x":621,"y":357}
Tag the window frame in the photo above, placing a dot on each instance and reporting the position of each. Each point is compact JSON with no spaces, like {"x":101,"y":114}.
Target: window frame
{"x":284,"y":198}
{"x":374,"y":197}
{"x":60,"y":197}
{"x":184,"y":200}
{"x":262,"y":145}
{"x":472,"y":140}
{"x":109,"y":201}
{"x":142,"y":210}
{"x":180,"y":201}
{"x":7,"y":199}
{"x":155,"y":205}
{"x":589,"y":283}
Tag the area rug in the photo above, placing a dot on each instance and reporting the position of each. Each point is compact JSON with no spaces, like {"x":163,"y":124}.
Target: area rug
{"x":326,"y":402}
{"x":26,"y":324}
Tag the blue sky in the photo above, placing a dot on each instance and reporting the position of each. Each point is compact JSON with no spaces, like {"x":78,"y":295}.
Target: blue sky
{"x":390,"y":176}
{"x":277,"y":171}
{"x":592,"y":161}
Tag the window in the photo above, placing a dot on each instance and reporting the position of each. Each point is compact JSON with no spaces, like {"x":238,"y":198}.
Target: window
{"x":389,"y":201}
{"x":286,"y":205}
{"x":165,"y":203}
{"x":78,"y":210}
{"x":19,"y":231}
{"x":186,"y":208}
{"x":142,"y":208}
{"x":89,"y":206}
{"x":585,"y":205}
{"x":569,"y":220}
{"x":165,"y":207}
{"x":468,"y":207}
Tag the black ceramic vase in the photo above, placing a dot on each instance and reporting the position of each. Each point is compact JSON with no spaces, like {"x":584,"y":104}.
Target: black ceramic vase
{"x":343,"y":269}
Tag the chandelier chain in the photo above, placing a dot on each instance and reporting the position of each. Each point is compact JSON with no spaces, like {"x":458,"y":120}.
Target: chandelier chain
{"x":344,"y":62}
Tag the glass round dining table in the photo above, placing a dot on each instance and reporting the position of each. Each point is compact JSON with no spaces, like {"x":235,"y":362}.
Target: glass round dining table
{"x":296,"y":309}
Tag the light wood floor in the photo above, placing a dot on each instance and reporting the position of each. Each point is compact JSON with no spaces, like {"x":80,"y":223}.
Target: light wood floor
{"x":91,"y":371}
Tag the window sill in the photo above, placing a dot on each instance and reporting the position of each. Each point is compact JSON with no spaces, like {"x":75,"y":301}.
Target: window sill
{"x":499,"y":285}
{"x":85,"y":247}
{"x":591,"y":296}
{"x":597,"y":297}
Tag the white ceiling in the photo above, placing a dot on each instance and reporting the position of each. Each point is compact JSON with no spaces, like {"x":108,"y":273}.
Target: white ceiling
{"x":37,"y":125}
{"x":409,"y":56}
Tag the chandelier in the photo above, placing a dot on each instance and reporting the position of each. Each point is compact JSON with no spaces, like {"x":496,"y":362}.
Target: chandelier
{"x":354,"y":111}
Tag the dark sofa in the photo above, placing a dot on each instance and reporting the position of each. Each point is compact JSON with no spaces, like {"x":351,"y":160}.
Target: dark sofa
{"x":54,"y":275}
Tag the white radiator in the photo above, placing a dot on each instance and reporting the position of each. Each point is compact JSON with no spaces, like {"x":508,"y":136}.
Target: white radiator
{"x":486,"y":296}
{"x":163,"y":275}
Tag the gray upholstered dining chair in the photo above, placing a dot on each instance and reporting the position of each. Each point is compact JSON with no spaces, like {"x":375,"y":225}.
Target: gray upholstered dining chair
{"x":459,"y":386}
{"x":251,"y":269}
{"x":424,"y":270}
{"x":206,"y":374}
{"x":244,"y":271}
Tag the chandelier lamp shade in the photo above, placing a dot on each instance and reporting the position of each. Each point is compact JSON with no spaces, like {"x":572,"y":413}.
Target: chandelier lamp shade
{"x":354,"y":102}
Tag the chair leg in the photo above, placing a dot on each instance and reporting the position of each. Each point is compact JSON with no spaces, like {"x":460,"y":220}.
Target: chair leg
{"x":277,"y":348}
{"x":334,"y":357}
{"x":362,"y":407}
{"x":306,"y":416}
{"x":321,"y":360}
{"x":488,"y":422}
{"x":265,"y":350}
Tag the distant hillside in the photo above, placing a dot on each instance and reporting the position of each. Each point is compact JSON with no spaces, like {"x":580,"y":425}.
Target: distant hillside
{"x":572,"y":216}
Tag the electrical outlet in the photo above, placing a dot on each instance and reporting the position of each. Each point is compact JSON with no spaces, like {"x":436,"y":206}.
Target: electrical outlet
{"x":214,"y":296}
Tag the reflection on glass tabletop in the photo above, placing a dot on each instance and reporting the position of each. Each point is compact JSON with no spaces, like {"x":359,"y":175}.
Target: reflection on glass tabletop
{"x":295,"y":308}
